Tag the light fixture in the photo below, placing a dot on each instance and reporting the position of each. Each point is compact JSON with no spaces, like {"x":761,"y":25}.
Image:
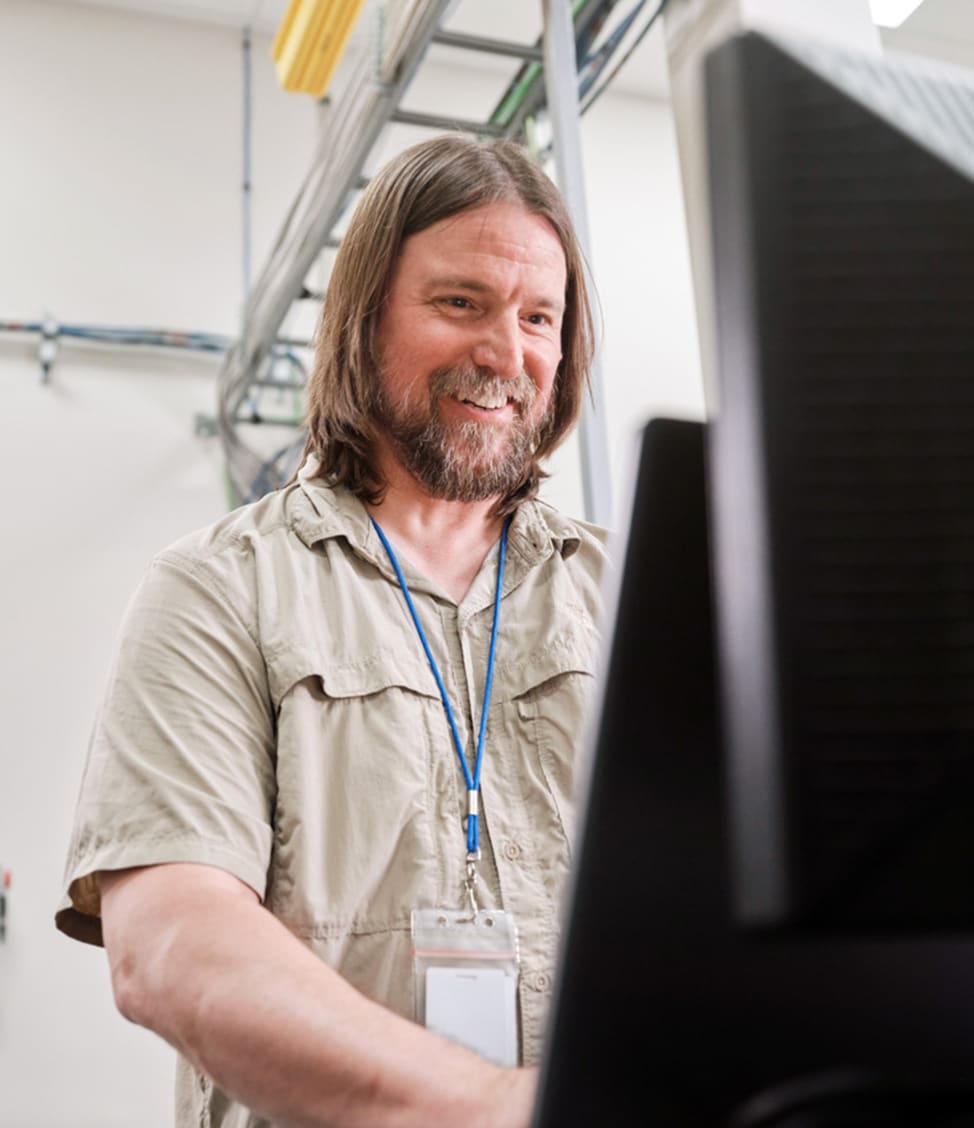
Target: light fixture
{"x":891,"y":13}
{"x":310,"y":41}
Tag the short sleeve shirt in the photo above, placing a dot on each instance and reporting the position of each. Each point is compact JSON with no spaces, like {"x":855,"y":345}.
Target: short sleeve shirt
{"x":270,"y":711}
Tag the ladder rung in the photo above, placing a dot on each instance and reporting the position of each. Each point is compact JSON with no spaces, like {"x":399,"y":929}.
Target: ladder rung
{"x":489,"y":46}
{"x":431,"y":121}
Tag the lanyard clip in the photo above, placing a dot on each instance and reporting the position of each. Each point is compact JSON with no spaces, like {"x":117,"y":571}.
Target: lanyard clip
{"x":470,"y":882}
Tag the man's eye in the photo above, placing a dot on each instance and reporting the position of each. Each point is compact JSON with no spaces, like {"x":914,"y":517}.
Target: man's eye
{"x":539,"y":319}
{"x":458,"y":303}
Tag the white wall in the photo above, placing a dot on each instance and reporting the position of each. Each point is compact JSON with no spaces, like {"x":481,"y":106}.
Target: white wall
{"x":120,"y":203}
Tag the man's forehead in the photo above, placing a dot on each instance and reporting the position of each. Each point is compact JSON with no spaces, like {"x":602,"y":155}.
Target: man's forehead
{"x":497,"y":215}
{"x":502,"y":231}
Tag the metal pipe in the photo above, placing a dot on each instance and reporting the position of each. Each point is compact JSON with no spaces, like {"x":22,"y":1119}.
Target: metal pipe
{"x":527,"y":52}
{"x":561,"y":88}
{"x":434,"y":121}
{"x":247,"y":190}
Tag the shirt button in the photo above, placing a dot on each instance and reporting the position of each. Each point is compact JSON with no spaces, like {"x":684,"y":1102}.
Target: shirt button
{"x":512,"y":851}
{"x":542,"y":981}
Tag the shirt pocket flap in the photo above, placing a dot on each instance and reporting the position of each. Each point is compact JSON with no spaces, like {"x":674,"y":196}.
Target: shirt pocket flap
{"x":340,"y":677}
{"x":573,"y":651}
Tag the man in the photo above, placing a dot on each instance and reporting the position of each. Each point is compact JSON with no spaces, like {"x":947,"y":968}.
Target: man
{"x":275,"y":780}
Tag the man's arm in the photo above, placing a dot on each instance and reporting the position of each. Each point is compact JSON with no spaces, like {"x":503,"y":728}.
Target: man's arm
{"x":195,"y":957}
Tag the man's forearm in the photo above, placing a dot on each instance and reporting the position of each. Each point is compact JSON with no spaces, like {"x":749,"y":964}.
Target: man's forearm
{"x":196,"y":959}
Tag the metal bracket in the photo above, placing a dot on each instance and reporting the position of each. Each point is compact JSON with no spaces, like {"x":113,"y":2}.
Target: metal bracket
{"x":47,"y":350}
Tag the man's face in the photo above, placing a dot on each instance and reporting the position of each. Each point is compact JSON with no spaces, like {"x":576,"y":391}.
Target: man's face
{"x":469,"y":343}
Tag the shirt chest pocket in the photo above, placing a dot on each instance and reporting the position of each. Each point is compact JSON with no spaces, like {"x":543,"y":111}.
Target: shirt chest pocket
{"x":543,"y":704}
{"x":355,"y":789}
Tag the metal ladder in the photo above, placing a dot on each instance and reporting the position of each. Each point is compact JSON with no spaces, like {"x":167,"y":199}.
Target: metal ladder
{"x":349,"y":136}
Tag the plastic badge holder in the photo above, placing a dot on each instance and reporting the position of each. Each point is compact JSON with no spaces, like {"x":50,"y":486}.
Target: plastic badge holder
{"x":466,"y":969}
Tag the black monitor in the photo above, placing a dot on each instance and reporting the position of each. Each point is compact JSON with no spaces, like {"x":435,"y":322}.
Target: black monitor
{"x":772,"y":914}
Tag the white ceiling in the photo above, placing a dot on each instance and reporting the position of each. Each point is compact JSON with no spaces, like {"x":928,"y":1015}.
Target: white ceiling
{"x":940,"y":28}
{"x":519,"y":21}
{"x":262,"y":14}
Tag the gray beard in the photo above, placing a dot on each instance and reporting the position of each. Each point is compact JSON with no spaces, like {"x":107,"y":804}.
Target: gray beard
{"x":461,"y":462}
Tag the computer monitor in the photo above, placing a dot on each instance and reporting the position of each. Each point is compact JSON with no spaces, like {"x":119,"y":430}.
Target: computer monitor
{"x":843,"y":483}
{"x":771,"y":915}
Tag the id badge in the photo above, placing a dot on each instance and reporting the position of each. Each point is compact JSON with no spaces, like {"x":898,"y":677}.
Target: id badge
{"x":465,"y":967}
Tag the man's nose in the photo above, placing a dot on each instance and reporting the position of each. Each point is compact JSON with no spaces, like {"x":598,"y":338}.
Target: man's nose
{"x":500,"y":348}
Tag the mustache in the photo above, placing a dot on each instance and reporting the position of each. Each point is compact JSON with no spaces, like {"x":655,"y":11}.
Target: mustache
{"x":468,"y":383}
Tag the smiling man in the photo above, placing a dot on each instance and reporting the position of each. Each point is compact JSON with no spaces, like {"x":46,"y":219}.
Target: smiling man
{"x":483,"y":294}
{"x":351,"y":708}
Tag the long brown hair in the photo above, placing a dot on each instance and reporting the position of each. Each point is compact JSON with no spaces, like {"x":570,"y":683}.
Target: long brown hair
{"x":423,"y":185}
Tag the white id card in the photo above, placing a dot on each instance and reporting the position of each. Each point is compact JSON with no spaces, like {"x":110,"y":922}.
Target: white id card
{"x":466,"y":972}
{"x":476,"y":1007}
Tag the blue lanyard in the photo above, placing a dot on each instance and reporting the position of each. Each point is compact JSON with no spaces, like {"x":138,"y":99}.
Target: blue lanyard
{"x":472,"y":781}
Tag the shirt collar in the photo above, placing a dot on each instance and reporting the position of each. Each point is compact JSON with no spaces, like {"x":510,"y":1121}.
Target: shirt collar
{"x":320,"y":511}
{"x":538,"y":530}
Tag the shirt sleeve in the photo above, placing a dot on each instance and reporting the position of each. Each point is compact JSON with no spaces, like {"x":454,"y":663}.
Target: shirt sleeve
{"x":181,"y":765}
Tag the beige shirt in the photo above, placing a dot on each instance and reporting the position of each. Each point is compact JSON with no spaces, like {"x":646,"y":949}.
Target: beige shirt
{"x":270,"y":711}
